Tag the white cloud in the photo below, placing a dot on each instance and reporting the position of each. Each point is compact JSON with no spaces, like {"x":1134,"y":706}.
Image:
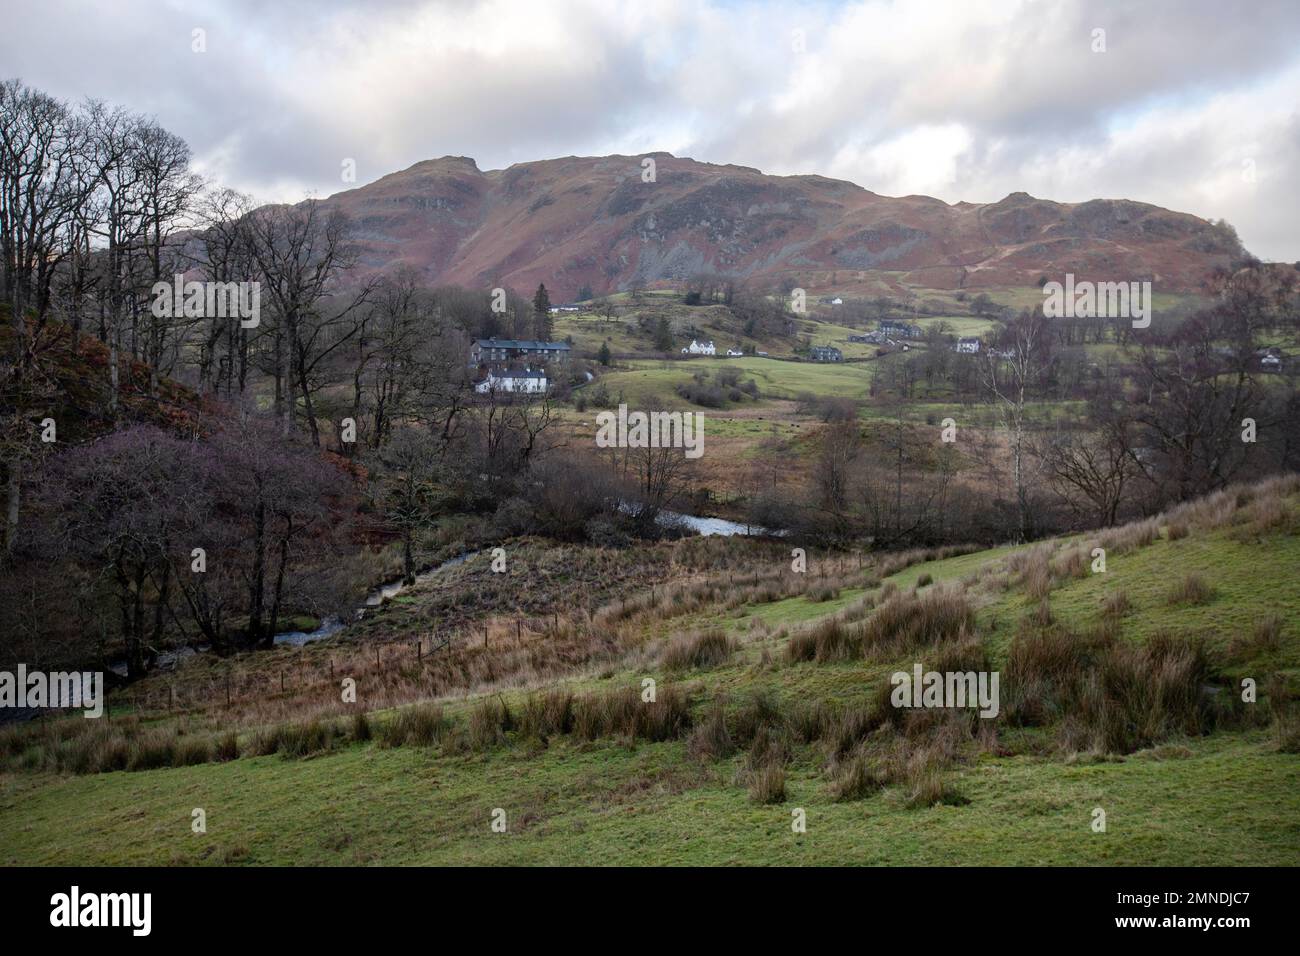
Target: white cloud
{"x":965,"y":99}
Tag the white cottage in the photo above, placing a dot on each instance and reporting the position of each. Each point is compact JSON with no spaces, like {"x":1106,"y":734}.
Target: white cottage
{"x":700,"y":348}
{"x":527,"y":380}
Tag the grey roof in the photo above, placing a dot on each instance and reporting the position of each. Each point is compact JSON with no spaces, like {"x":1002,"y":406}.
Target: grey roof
{"x":519,"y":344}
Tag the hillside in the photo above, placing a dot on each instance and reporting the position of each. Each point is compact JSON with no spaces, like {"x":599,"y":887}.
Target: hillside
{"x":592,"y":222}
{"x":1120,"y":692}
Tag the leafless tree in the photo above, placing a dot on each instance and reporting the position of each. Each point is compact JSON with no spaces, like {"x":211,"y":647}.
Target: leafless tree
{"x":1009,"y":374}
{"x":301,"y":253}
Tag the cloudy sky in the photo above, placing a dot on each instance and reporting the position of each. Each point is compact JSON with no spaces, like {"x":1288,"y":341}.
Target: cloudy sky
{"x":1190,"y":104}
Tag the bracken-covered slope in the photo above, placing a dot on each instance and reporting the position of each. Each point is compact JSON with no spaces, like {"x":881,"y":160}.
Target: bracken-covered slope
{"x":594,"y":222}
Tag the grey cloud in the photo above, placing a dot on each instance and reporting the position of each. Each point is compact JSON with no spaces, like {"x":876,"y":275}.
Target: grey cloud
{"x":287,"y":90}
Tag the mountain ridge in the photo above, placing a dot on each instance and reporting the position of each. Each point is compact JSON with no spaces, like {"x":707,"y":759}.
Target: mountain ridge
{"x":592,"y":222}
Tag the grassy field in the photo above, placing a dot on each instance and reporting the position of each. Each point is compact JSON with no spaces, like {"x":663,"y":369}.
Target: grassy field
{"x":648,"y":382}
{"x":1229,"y":795}
{"x":1230,"y":801}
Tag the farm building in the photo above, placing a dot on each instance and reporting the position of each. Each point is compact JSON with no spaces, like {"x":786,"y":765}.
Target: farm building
{"x":485,"y":351}
{"x":530,"y":381}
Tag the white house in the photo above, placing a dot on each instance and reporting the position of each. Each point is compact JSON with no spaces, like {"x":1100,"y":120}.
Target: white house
{"x":969,"y":346}
{"x":735,"y":353}
{"x":837,"y":301}
{"x":700,"y":348}
{"x":513,"y":380}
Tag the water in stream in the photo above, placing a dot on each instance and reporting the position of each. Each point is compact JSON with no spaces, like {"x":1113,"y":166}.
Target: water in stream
{"x":386,"y":592}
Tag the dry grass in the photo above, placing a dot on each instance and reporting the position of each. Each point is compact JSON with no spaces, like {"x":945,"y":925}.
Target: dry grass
{"x":1192,"y":589}
{"x":1115,"y":605}
{"x":1108,"y":696}
{"x":697,"y":650}
{"x":1265,"y":639}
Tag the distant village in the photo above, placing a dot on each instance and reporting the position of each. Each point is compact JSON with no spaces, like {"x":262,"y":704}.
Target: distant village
{"x":521,"y":365}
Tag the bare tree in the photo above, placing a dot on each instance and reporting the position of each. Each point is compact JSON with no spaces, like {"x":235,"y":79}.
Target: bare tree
{"x":301,"y":252}
{"x":1097,"y":459}
{"x":1009,"y":373}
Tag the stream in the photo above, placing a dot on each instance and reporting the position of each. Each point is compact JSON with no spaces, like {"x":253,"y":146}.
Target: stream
{"x":386,"y":592}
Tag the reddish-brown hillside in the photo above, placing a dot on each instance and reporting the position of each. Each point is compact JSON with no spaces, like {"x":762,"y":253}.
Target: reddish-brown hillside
{"x":582,"y":221}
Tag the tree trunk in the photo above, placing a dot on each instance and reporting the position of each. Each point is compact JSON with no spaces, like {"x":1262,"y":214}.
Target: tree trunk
{"x":12,"y":506}
{"x":259,"y":574}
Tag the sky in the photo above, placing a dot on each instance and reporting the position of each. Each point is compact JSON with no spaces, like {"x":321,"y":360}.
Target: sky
{"x":1189,"y":104}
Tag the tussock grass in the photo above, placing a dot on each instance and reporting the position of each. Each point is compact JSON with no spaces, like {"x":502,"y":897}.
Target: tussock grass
{"x":1193,"y":589}
{"x":908,"y":621}
{"x":710,"y":740}
{"x":547,"y":714}
{"x":421,"y":725}
{"x":697,"y":650}
{"x":1265,"y":639}
{"x":489,"y":721}
{"x":1109,"y":696}
{"x":767,"y":784}
{"x":1115,"y":605}
{"x":623,"y":713}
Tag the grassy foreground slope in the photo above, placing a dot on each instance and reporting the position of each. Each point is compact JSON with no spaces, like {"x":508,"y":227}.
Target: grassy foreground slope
{"x":771,"y":706}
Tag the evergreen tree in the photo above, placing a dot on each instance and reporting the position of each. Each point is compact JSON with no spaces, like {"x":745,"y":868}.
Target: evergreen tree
{"x":604,"y":353}
{"x":542,"y":314}
{"x":663,"y":336}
